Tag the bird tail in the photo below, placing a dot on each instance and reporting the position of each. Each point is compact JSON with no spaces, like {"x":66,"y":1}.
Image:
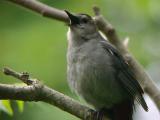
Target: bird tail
{"x":123,"y":111}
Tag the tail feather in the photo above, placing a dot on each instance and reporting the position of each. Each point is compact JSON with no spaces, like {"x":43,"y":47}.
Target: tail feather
{"x":123,"y":111}
{"x":141,"y":101}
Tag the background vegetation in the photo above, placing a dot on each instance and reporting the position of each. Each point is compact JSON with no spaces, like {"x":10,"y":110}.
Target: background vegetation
{"x":38,"y":45}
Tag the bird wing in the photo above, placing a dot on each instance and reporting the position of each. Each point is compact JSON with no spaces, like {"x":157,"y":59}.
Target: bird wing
{"x":125,"y":75}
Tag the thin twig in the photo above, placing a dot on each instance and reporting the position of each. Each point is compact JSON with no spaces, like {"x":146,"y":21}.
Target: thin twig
{"x":24,"y":76}
{"x":126,"y":42}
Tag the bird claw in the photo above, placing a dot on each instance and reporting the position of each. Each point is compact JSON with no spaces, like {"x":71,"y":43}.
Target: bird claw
{"x":98,"y":115}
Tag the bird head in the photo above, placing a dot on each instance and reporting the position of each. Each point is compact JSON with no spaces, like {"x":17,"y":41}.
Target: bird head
{"x":81,"y":24}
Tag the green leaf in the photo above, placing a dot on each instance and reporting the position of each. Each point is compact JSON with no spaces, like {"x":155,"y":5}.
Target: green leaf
{"x":20,"y":105}
{"x":7,"y":106}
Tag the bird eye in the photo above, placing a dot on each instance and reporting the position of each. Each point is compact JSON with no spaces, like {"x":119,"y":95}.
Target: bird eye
{"x":84,"y":20}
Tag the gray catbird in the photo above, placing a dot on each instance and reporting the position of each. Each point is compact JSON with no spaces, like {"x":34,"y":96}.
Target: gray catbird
{"x":98,"y":72}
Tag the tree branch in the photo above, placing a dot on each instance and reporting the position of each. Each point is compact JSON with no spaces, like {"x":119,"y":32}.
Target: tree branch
{"x":149,"y":86}
{"x":42,"y":9}
{"x":36,"y":91}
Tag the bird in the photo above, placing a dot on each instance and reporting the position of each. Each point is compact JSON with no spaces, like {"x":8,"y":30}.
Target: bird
{"x":98,"y":72}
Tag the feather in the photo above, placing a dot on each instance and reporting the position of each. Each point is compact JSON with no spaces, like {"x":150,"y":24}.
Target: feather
{"x":125,"y":75}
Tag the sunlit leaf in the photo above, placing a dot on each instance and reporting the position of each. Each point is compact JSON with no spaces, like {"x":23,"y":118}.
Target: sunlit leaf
{"x":20,"y":105}
{"x":7,"y":106}
{"x":2,"y":108}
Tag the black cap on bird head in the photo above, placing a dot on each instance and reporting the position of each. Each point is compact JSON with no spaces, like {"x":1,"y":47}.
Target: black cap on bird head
{"x":78,"y":18}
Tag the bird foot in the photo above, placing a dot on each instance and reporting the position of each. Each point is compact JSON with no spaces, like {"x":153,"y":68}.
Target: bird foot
{"x":98,"y":115}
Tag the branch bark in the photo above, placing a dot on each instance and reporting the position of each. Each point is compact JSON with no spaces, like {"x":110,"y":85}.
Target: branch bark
{"x":42,"y":9}
{"x":53,"y":97}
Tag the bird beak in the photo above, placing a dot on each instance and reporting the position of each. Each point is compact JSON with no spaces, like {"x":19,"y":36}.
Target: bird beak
{"x":73,"y":19}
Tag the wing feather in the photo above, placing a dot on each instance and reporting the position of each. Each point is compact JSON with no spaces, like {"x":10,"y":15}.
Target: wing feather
{"x":125,"y":74}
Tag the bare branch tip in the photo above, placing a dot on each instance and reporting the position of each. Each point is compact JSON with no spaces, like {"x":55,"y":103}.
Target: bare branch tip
{"x":126,"y":42}
{"x":6,"y":71}
{"x":25,"y":75}
{"x":96,"y":10}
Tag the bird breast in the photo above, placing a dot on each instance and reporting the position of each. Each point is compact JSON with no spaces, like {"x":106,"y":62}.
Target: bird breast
{"x":92,"y":76}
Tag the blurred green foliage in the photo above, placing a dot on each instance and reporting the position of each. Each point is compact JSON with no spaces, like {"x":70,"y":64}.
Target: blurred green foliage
{"x":7,"y":107}
{"x":29,"y":42}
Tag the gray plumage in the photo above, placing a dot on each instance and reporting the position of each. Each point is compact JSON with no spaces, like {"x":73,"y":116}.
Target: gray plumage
{"x":96,"y":70}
